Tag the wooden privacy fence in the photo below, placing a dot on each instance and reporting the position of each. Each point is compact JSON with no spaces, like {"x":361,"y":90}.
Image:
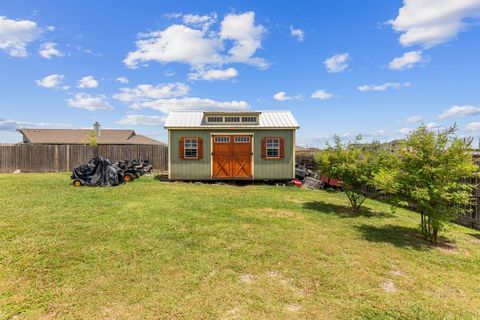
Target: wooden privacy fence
{"x":58,"y":158}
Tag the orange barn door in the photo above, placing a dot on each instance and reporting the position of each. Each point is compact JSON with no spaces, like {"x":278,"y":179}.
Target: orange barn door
{"x":232,"y":157}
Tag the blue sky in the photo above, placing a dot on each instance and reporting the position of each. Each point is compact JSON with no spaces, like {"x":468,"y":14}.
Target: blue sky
{"x":378,"y":68}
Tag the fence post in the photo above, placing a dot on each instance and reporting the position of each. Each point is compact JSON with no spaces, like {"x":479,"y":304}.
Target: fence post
{"x":57,"y":169}
{"x":68,"y":157}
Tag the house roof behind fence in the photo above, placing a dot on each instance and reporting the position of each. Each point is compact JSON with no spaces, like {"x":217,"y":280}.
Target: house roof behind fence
{"x":267,"y":119}
{"x":82,"y":136}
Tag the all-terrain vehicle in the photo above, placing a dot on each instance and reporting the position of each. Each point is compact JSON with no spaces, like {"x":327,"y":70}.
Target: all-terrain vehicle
{"x":143,"y":166}
{"x":129,"y":171}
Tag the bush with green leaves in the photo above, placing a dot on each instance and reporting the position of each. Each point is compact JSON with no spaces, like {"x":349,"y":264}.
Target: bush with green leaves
{"x":429,"y":175}
{"x":355,"y":166}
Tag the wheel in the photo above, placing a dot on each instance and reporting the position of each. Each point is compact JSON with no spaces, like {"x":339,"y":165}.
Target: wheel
{"x":138,"y":174}
{"x":128,"y":177}
{"x":77,"y":183}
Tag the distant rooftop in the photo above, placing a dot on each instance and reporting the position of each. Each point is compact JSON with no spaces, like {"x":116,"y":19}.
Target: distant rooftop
{"x":197,"y":119}
{"x":82,"y":136}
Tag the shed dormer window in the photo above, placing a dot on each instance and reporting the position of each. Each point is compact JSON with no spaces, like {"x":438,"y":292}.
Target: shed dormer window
{"x":232,"y":119}
{"x":249,"y":119}
{"x":214,"y":119}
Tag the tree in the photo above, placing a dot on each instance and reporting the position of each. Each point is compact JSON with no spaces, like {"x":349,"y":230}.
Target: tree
{"x":429,"y":175}
{"x":92,"y":138}
{"x":355,"y":166}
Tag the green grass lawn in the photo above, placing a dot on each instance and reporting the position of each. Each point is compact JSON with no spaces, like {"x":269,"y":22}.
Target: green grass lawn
{"x":152,"y":250}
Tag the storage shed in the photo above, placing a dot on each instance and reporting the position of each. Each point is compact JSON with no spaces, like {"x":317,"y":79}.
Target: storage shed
{"x":212,"y":145}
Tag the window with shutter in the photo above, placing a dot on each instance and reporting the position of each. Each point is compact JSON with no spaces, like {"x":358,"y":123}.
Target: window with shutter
{"x":190,"y":148}
{"x":273,"y":148}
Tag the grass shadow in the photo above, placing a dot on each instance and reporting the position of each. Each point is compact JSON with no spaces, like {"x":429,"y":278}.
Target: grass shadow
{"x":343,"y":211}
{"x":399,"y":236}
{"x":475,"y":235}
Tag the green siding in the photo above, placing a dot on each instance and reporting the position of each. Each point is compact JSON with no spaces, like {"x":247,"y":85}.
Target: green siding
{"x":201,"y":169}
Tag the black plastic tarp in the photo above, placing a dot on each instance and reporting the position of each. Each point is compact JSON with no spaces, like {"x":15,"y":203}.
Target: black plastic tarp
{"x":98,"y":171}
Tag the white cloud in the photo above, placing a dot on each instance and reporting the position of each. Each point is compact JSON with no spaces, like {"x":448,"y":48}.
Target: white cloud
{"x":11,"y":125}
{"x":406,"y":61}
{"x":197,"y":21}
{"x":321,"y":95}
{"x":378,"y":135}
{"x":141,"y":120}
{"x":202,"y":47}
{"x":190,"y":103}
{"x":172,"y":15}
{"x":414,"y":119}
{"x":172,"y":96}
{"x":177,"y":43}
{"x":429,"y":126}
{"x":169,"y":73}
{"x":89,"y":102}
{"x":405,"y":131}
{"x":459,"y":111}
{"x":122,"y":80}
{"x":48,"y":50}
{"x":434,"y":126}
{"x":473,"y":127}
{"x":431,"y":22}
{"x":297,"y":34}
{"x":281,"y":96}
{"x":383,"y":87}
{"x":87,"y":82}
{"x":247,"y":38}
{"x":337,"y":63}
{"x":85,"y":50}
{"x":52,"y":81}
{"x":15,"y":35}
{"x":213,"y":74}
{"x":148,"y":92}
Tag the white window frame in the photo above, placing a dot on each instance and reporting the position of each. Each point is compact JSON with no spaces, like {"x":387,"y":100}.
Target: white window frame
{"x":242,"y":139}
{"x":229,"y":119}
{"x":216,"y":117}
{"x":254,"y":118}
{"x":190,"y":148}
{"x":221,"y":139}
{"x":272,"y":148}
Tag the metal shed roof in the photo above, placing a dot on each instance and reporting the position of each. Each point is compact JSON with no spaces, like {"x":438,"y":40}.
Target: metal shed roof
{"x":196,"y":119}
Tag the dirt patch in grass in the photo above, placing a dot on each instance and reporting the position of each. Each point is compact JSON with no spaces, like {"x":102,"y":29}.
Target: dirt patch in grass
{"x":447,"y":247}
{"x":285,"y":282}
{"x":246,"y":278}
{"x":389,"y":286}
{"x":233,"y":314}
{"x":294,"y":200}
{"x":272,"y":212}
{"x":397,"y":273}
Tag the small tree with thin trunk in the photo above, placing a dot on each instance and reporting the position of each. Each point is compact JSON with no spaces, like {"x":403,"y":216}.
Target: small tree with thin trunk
{"x":429,"y":175}
{"x":92,"y":138}
{"x":354,"y":166}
